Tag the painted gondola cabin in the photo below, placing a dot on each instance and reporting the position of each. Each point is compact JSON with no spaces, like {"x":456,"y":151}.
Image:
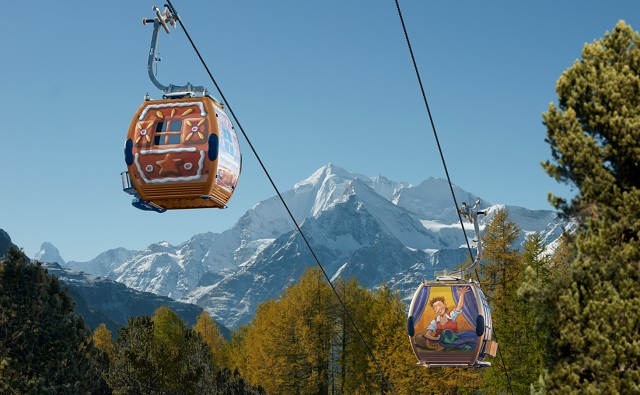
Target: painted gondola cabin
{"x":181,"y":151}
{"x":449,"y":321}
{"x":450,"y":324}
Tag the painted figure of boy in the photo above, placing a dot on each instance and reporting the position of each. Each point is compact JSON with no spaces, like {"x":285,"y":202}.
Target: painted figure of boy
{"x":444,"y":328}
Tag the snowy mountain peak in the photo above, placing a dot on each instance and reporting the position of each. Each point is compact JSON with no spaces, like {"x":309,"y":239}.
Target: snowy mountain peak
{"x":373,"y":229}
{"x":387,"y":188}
{"x":322,"y":174}
{"x":49,"y":253}
{"x":329,"y":183}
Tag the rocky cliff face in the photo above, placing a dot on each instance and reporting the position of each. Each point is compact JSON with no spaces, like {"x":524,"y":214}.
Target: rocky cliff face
{"x":5,"y":243}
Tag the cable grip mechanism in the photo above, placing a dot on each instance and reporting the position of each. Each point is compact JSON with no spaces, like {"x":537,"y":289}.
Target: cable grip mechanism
{"x":166,"y":18}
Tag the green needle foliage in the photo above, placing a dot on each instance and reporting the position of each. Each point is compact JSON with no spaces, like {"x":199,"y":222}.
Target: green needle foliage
{"x":593,"y":312}
{"x":160,"y":355}
{"x":44,"y":346}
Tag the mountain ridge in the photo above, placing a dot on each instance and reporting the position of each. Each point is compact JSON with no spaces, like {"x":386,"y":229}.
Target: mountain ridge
{"x":374,"y":229}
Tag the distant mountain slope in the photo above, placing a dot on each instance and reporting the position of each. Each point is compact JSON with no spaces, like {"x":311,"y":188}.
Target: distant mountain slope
{"x":100,"y":300}
{"x":372,"y":228}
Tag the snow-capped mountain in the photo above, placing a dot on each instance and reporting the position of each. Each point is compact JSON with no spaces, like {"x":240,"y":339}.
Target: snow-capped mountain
{"x":49,"y":253}
{"x":372,"y":228}
{"x":104,"y":263}
{"x":100,"y":300}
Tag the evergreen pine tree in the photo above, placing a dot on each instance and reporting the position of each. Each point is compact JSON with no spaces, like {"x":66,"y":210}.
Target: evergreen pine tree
{"x":133,"y":369}
{"x":44,"y":346}
{"x":169,"y":344}
{"x":228,"y":383}
{"x":594,"y":311}
{"x":160,"y":355}
{"x":545,"y":271}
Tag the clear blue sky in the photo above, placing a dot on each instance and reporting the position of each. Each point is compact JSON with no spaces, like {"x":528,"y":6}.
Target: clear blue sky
{"x":310,"y":82}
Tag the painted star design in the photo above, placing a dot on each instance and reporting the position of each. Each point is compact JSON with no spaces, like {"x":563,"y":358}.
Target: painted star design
{"x":169,"y":166}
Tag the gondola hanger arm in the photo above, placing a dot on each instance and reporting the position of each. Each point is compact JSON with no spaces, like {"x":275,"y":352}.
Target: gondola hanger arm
{"x":165,"y":19}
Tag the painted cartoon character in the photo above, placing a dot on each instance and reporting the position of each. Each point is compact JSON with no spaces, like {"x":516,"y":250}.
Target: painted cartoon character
{"x":444,"y":329}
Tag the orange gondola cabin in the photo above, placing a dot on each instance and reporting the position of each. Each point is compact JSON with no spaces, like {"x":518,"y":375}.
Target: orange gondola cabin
{"x":181,"y":151}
